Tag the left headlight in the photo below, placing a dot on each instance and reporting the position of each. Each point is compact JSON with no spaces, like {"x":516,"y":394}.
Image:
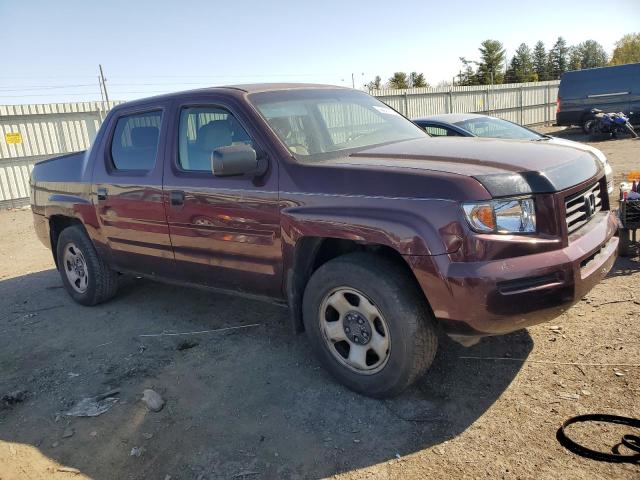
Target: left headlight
{"x":511,"y":215}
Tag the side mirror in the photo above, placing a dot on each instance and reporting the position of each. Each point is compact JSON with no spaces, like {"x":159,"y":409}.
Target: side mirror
{"x":233,"y":160}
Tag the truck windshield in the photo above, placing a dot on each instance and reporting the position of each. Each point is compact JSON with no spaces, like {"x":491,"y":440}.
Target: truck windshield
{"x":317,"y":123}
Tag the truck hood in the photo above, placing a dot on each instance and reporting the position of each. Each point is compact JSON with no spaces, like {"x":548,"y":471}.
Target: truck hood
{"x":503,"y":167}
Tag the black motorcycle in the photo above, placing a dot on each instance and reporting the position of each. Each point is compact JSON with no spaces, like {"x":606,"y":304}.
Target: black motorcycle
{"x":609,"y":124}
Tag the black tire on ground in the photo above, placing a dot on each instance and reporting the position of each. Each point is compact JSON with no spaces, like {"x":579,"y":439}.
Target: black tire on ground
{"x":412,"y":328}
{"x":624,"y":248}
{"x":587,"y":123}
{"x":102,"y":282}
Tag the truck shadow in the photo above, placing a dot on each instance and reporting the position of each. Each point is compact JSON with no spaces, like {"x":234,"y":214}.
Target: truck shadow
{"x":624,"y":267}
{"x":247,"y":400}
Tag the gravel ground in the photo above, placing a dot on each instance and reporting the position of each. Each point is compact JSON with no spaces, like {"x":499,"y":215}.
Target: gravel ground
{"x":254,"y":403}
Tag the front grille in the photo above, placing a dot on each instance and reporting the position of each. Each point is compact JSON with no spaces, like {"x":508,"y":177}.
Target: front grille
{"x":582,"y":206}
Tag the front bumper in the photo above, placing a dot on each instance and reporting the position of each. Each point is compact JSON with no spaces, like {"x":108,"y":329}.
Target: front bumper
{"x":41,"y":226}
{"x":490,"y":298}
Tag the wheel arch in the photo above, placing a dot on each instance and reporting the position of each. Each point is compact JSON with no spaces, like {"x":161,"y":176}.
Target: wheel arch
{"x":310,"y":253}
{"x":57,"y":223}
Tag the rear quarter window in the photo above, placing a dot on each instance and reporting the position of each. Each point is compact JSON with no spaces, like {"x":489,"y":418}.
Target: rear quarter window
{"x":435,"y":131}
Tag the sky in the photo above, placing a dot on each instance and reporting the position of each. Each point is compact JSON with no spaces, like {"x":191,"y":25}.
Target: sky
{"x":51,"y":49}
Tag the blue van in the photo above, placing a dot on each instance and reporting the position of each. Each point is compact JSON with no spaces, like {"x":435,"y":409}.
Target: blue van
{"x":611,"y":89}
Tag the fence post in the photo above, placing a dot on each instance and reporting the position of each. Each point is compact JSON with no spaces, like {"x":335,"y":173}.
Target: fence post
{"x":406,"y":104}
{"x":486,"y":104}
{"x":546,"y":105}
{"x":450,"y":101}
{"x":7,"y":196}
{"x":62,"y":142}
{"x":521,"y":105}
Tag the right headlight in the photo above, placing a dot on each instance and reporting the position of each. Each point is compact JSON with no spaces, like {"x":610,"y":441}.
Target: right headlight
{"x":510,"y":215}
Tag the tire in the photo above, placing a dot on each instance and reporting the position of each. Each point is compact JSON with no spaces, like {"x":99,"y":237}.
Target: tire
{"x":587,"y":124}
{"x":624,"y":248}
{"x":86,"y":277}
{"x":400,"y":315}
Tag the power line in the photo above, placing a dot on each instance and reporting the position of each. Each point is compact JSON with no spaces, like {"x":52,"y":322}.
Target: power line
{"x":276,"y":74}
{"x":17,"y":88}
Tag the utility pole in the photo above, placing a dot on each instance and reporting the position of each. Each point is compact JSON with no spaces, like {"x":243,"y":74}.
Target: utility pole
{"x":104,"y":83}
{"x":353,"y":79}
{"x":100,"y":84}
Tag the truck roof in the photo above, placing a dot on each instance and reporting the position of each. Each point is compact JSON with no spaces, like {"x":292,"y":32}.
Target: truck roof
{"x":230,"y":89}
{"x":266,"y":87}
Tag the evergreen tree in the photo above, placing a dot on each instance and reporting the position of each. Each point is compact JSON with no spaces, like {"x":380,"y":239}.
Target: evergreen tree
{"x":491,"y":65}
{"x":521,"y":68}
{"x":399,"y":80}
{"x":467,"y":75}
{"x":416,"y":80}
{"x":558,"y":59}
{"x":540,"y":61}
{"x":592,"y":54}
{"x":575,"y":58}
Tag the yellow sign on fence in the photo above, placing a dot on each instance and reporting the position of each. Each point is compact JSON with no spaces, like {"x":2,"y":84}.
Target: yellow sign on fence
{"x":13,"y":138}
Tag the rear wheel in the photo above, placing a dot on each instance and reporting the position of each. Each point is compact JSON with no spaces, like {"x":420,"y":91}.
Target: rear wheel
{"x":588,"y":124}
{"x":86,"y":277}
{"x":369,"y":324}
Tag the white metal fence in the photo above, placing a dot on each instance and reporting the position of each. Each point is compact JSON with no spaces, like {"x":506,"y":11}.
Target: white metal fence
{"x":55,"y":129}
{"x":30,"y":133}
{"x":524,"y":103}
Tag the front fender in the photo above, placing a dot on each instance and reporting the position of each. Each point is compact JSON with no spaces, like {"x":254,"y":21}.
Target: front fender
{"x":409,"y":226}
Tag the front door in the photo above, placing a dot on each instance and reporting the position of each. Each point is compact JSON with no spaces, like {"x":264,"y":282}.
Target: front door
{"x":225,"y":231}
{"x":127,"y":189}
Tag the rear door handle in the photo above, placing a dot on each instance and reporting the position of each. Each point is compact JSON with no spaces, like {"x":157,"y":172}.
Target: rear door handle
{"x":176,"y":198}
{"x":102,"y":194}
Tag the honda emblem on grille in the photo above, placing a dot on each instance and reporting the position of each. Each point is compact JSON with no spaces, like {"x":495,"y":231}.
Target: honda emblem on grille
{"x":589,"y":204}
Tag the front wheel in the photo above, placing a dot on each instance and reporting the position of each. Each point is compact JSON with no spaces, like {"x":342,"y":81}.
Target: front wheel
{"x":86,"y":277}
{"x":369,"y":324}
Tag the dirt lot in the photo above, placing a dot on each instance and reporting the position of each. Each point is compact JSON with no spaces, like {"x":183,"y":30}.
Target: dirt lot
{"x":254,"y":403}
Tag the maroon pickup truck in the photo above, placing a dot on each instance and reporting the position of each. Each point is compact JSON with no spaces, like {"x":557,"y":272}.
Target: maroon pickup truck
{"x":376,"y":236}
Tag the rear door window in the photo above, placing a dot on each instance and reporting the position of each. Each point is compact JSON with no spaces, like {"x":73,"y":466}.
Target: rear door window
{"x":135,"y":141}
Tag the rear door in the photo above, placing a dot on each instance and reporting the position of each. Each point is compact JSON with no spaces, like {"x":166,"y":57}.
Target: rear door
{"x":127,"y":189}
{"x":225,"y":231}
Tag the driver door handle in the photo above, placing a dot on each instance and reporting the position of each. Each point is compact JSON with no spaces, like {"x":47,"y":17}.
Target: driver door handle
{"x":102,"y":194}
{"x":176,"y":198}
